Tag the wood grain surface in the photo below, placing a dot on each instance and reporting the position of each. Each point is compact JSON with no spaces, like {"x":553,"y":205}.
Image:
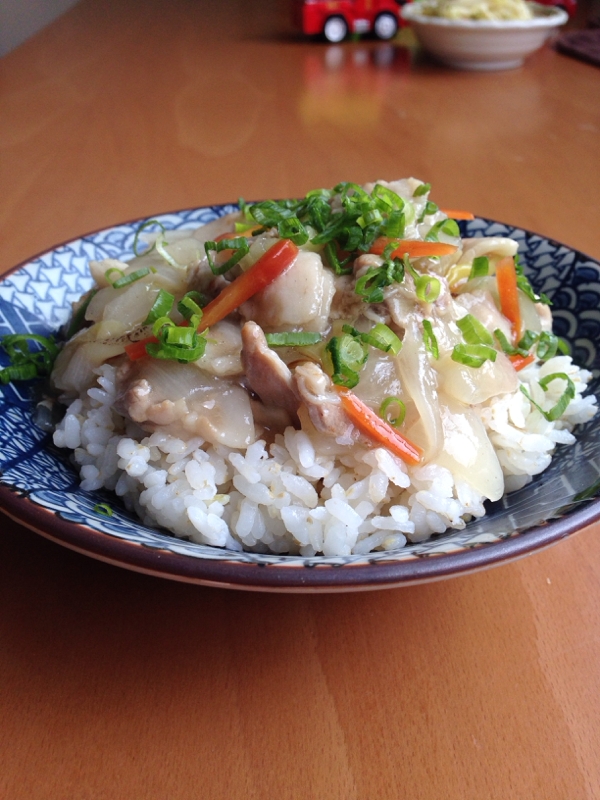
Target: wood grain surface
{"x":118,"y":685}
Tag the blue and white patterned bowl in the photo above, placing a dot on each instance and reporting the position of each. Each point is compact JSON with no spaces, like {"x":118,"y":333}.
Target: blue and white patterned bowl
{"x":40,"y":489}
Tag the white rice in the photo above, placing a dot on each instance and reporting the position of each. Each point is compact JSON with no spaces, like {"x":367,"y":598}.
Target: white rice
{"x":293,"y":497}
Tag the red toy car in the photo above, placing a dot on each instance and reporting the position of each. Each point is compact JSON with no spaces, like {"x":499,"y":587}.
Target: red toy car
{"x":335,"y":19}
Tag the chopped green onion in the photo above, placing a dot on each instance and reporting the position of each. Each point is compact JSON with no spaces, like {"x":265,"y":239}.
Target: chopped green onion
{"x":292,"y":339}
{"x":348,"y":356}
{"x":507,"y":347}
{"x":473,"y":331}
{"x":132,"y":277}
{"x":160,"y":308}
{"x":179,"y":336}
{"x":528,"y":339}
{"x":17,"y":343}
{"x":21,"y":372}
{"x":549,"y":345}
{"x":271,"y":212}
{"x":383,"y":338}
{"x":161,"y":245}
{"x":473,"y":355}
{"x":525,"y":286}
{"x":318,"y":212}
{"x":319,"y":194}
{"x":25,"y":363}
{"x":339,"y":267}
{"x":559,"y":408}
{"x":292,"y":228}
{"x":353,"y":238}
{"x":337,"y":228}
{"x":239,"y":246}
{"x":176,"y":342}
{"x":395,"y":225}
{"x":110,"y":271}
{"x":177,"y":353}
{"x":244,"y":207}
{"x":244,"y":227}
{"x":430,"y":340}
{"x":429,"y":210}
{"x":422,"y":189}
{"x":386,"y":411}
{"x":447,"y":226}
{"x":427,"y":288}
{"x":370,"y":286}
{"x":386,"y":198}
{"x":160,"y":323}
{"x":104,"y":509}
{"x":370,"y":216}
{"x":480,"y":267}
{"x":191,"y":305}
{"x":359,"y":195}
{"x":142,"y":228}
{"x":351,"y":331}
{"x":78,"y":318}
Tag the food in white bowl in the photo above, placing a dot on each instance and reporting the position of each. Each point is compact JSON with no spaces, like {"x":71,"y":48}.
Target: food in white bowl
{"x":474,"y":34}
{"x":477,"y":9}
{"x":373,"y":382}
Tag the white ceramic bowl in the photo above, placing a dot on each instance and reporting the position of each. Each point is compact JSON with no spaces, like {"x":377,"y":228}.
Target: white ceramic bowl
{"x":483,"y":44}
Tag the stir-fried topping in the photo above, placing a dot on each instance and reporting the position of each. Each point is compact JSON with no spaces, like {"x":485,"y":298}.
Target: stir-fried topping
{"x":369,"y":289}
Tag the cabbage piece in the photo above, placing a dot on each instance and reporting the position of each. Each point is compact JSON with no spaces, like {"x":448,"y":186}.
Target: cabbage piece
{"x":132,"y":303}
{"x":184,"y":250}
{"x":129,"y":305}
{"x":473,"y":385}
{"x":378,"y":380}
{"x":498,"y":246}
{"x":86,"y":351}
{"x":467,"y":451}
{"x":210,"y":231}
{"x":419,"y":381}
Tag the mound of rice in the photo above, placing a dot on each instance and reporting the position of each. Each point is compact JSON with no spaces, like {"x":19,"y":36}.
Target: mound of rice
{"x":302,"y":495}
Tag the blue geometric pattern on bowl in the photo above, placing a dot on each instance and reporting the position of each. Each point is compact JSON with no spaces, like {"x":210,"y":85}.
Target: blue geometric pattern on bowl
{"x":37,"y":298}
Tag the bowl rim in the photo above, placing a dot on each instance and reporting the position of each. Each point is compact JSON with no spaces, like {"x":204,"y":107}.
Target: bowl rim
{"x":551,"y":17}
{"x":281,"y":577}
{"x":326,"y":578}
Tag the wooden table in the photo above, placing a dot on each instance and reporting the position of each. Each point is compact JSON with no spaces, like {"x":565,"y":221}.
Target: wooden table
{"x":118,"y":685}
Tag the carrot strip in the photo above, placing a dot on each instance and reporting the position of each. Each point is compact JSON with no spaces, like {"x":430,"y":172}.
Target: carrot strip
{"x":137,"y":350}
{"x":378,"y":430}
{"x":412,"y":248}
{"x":268,"y":267}
{"x":228,"y":235}
{"x":506,"y":279}
{"x":520,"y":362}
{"x":457,"y":214}
{"x":263,"y":272}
